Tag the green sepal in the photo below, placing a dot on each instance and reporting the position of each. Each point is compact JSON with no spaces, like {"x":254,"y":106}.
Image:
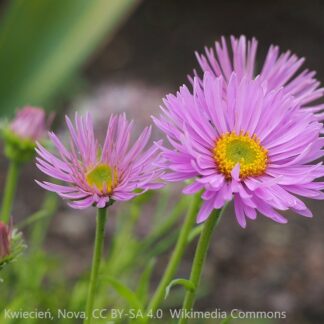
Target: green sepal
{"x":16,"y":148}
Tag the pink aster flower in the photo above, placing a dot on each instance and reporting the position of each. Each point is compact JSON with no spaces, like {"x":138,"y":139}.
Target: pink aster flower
{"x":30,"y":123}
{"x":98,"y":175}
{"x":278,"y":69}
{"x":237,"y":140}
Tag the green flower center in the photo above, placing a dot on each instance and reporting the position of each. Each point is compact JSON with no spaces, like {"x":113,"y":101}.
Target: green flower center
{"x":239,"y":150}
{"x":232,"y":148}
{"x":102,"y":177}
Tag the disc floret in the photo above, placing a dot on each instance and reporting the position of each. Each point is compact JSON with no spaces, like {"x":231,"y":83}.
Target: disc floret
{"x":103,"y":177}
{"x":243,"y":149}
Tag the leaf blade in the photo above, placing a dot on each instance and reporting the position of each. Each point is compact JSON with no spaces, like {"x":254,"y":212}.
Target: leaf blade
{"x":44,"y":43}
{"x":187,"y":284}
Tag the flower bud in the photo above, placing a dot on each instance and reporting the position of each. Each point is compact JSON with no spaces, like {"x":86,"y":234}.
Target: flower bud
{"x":20,"y":136}
{"x":11,"y":245}
{"x":4,"y":241}
{"x":30,"y":123}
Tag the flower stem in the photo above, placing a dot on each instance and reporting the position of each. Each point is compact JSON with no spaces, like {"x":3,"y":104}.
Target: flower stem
{"x":10,"y":190}
{"x":199,"y":260}
{"x":96,"y":258}
{"x":176,"y":255}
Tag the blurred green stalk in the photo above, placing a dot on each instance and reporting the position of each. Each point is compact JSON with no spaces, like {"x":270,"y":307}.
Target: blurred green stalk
{"x":10,"y":190}
{"x":176,"y":255}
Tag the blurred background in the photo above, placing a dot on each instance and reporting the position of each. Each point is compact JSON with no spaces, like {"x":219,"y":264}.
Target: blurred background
{"x":121,"y":55}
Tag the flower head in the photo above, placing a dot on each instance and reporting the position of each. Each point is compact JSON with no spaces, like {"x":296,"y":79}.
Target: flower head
{"x":278,"y":70}
{"x":20,"y":136}
{"x":235,"y":139}
{"x":98,"y":175}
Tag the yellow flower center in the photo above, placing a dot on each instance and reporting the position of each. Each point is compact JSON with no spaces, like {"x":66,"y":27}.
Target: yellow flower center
{"x":102,"y":177}
{"x":231,"y":149}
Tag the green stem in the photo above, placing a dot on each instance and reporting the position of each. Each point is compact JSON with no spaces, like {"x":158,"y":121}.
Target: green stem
{"x":97,"y":253}
{"x":176,"y":255}
{"x":10,"y":190}
{"x":199,"y":260}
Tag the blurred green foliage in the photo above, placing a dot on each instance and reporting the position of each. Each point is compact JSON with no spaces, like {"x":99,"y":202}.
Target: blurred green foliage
{"x":36,"y":280}
{"x":43,"y":43}
{"x":126,"y":281}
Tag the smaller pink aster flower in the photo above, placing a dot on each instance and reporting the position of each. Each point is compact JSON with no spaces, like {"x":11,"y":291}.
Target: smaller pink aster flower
{"x":98,"y":175}
{"x":30,"y":123}
{"x":4,"y":241}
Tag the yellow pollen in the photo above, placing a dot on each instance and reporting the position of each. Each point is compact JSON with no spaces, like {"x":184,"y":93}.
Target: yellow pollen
{"x":231,"y":149}
{"x":103,"y":177}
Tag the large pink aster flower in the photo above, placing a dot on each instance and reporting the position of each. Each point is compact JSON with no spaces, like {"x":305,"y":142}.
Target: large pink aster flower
{"x":236,"y":140}
{"x":278,"y":70}
{"x":98,"y":175}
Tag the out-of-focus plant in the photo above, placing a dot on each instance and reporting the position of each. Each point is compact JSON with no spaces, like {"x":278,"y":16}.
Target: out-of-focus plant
{"x":44,"y":43}
{"x":20,"y":137}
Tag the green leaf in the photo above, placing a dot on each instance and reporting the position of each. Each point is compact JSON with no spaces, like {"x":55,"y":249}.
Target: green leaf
{"x":127,"y":294}
{"x":44,"y":43}
{"x":144,"y":282}
{"x":187,"y":284}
